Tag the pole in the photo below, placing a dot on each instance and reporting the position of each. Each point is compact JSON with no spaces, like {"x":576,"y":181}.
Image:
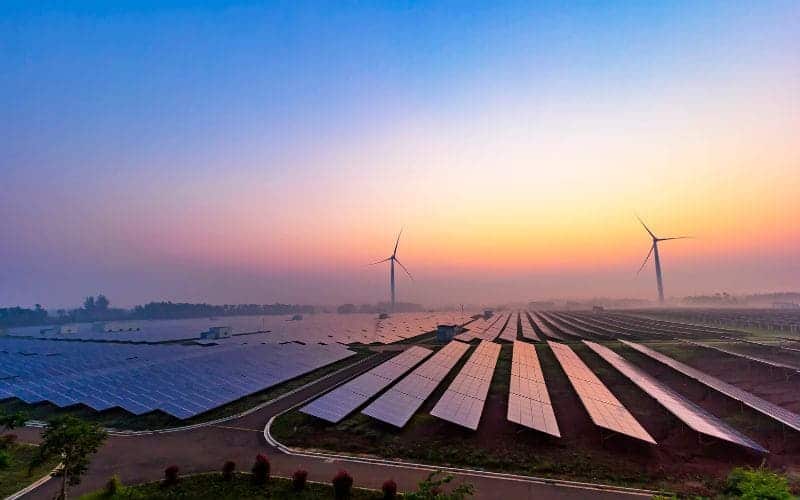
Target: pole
{"x":658,"y":272}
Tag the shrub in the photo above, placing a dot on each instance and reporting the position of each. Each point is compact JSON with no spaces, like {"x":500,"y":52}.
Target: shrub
{"x":389,"y":489}
{"x":113,"y":486}
{"x":757,"y":484}
{"x":261,"y":469}
{"x":228,"y":470}
{"x":7,"y":440}
{"x":342,"y":484}
{"x":434,"y":486}
{"x":299,"y":480}
{"x":171,"y":475}
{"x":5,"y":459}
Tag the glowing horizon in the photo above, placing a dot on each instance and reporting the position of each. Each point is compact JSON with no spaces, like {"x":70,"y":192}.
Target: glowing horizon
{"x":231,"y":153}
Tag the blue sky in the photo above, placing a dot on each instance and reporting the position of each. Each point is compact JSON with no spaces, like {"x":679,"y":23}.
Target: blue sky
{"x":125,"y":124}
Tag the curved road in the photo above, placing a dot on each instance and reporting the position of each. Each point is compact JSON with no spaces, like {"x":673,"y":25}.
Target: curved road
{"x":143,"y":458}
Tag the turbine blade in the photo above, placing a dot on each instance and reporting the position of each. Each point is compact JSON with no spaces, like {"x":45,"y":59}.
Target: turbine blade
{"x":646,"y":258}
{"x":404,"y":269}
{"x":676,"y":238}
{"x":397,"y":242}
{"x":384,"y":260}
{"x":647,"y":228}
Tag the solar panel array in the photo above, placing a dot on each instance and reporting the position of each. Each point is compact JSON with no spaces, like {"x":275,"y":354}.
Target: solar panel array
{"x":345,"y":399}
{"x":462,"y":403}
{"x":487,"y":329}
{"x":771,"y":410}
{"x":689,"y":413}
{"x":510,"y":331}
{"x":182,"y":381}
{"x":397,"y":405}
{"x":757,"y":359}
{"x":604,"y":409}
{"x":528,"y":400}
{"x":326,"y":328}
{"x":527,"y":329}
{"x":544,"y":328}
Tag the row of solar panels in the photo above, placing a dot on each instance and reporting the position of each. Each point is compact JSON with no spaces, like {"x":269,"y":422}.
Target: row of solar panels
{"x":342,"y":328}
{"x":630,"y":326}
{"x":529,"y":403}
{"x":182,"y":381}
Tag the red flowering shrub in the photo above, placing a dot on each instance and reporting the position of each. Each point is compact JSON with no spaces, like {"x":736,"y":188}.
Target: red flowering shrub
{"x":299,"y":480}
{"x":261,"y":469}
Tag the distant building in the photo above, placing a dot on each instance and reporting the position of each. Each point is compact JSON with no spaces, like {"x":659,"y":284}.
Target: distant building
{"x":383,"y":315}
{"x":217,"y":332}
{"x":297,"y":317}
{"x":59,"y":330}
{"x":445,"y":333}
{"x":115,"y":326}
{"x":488,"y":313}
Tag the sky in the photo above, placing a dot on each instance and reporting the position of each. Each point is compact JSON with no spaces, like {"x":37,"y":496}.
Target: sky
{"x":254,"y":152}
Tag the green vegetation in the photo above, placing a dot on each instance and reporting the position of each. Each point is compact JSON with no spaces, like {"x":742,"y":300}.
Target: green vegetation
{"x":120,"y":419}
{"x":758,"y":484}
{"x":214,"y":487}
{"x":73,"y":441}
{"x":17,"y":474}
{"x":434,"y":487}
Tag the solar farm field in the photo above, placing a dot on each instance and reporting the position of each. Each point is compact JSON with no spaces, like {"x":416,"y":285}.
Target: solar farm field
{"x":636,"y":401}
{"x":161,"y":373}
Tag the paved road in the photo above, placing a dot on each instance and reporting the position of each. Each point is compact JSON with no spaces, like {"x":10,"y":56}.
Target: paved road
{"x":138,"y":459}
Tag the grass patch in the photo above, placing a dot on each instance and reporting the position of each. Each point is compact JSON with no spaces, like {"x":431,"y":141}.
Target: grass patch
{"x":213,"y":487}
{"x":15,"y":476}
{"x":117,"y":418}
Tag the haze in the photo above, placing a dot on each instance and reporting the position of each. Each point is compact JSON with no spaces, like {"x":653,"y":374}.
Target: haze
{"x":234,"y":152}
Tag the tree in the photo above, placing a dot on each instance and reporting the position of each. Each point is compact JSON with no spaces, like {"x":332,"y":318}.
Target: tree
{"x":9,"y":421}
{"x":74,"y":441}
{"x":88,"y":304}
{"x":101,"y":303}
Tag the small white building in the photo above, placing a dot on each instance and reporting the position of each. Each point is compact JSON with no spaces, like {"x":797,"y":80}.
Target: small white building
{"x":217,"y":332}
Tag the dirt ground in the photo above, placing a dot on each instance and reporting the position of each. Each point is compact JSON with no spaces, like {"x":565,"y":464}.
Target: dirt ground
{"x":682,"y":461}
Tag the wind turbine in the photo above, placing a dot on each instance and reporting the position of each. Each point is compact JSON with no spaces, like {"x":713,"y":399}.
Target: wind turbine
{"x":392,"y":259}
{"x":654,"y":251}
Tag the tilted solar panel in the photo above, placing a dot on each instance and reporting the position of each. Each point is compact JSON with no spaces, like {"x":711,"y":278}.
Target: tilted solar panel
{"x":397,"y":405}
{"x":763,"y":406}
{"x":527,"y":329}
{"x":345,"y":399}
{"x":528,"y":400}
{"x":510,"y":331}
{"x":603,"y":408}
{"x":689,"y":413}
{"x":462,"y":403}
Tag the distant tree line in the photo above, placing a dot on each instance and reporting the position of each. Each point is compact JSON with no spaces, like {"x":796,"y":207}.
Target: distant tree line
{"x":99,"y":309}
{"x":380,"y":307}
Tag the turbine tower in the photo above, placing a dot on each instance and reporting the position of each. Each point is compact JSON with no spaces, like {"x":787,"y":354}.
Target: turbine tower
{"x":392,"y":259}
{"x":654,"y":252}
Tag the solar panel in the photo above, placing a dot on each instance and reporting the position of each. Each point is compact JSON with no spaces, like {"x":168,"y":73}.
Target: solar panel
{"x":510,"y":331}
{"x":345,"y":399}
{"x":689,"y":413}
{"x":527,"y":329}
{"x":397,"y":405}
{"x":757,"y":359}
{"x":528,"y":401}
{"x":771,"y":410}
{"x":544,"y":328}
{"x":462,"y":403}
{"x":604,"y":409}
